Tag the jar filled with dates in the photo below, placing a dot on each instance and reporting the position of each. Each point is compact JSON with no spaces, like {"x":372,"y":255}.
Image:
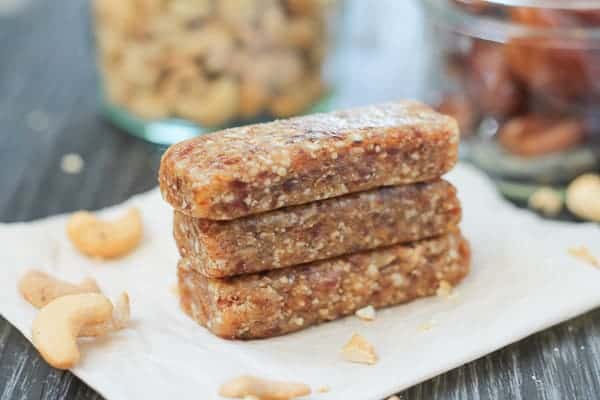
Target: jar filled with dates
{"x":522,"y":78}
{"x":172,"y":69}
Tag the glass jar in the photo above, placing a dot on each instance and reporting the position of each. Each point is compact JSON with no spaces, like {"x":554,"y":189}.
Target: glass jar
{"x":522,"y":77}
{"x":172,"y":69}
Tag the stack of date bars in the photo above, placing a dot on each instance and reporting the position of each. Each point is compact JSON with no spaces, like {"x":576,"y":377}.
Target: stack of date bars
{"x":291,"y":223}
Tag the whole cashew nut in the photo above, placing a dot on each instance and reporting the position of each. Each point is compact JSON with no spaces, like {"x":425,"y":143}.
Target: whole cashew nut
{"x":583,"y":197}
{"x":56,"y":327}
{"x":103,"y":239}
{"x":120,"y":318}
{"x":39,"y":288}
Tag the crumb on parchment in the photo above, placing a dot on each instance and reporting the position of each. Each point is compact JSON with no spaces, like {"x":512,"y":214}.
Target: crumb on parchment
{"x":366,"y":313}
{"x":359,"y":350}
{"x":323,"y":389}
{"x":583,"y":253}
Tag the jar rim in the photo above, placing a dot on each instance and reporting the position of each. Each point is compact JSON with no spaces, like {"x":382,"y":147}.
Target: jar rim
{"x":454,"y":18}
{"x":549,"y":4}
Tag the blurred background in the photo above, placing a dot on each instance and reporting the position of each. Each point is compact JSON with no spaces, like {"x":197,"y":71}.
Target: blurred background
{"x":94,"y":91}
{"x":60,"y":148}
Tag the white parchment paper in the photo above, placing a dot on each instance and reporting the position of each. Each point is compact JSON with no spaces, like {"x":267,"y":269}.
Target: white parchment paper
{"x":522,"y":281}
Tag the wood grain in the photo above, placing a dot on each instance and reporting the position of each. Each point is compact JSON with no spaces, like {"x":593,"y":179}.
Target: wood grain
{"x":48,"y":108}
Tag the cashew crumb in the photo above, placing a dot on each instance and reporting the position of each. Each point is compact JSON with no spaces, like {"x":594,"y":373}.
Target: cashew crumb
{"x":444,"y":289}
{"x":583,"y":253}
{"x":120,"y":319}
{"x":547,"y":201}
{"x":427,"y":326}
{"x":366,"y":313}
{"x":249,"y":387}
{"x":359,"y":350}
{"x":323,"y":389}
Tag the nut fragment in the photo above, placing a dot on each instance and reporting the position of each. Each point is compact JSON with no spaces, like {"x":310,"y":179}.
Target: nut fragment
{"x":358,"y":350}
{"x":536,"y":135}
{"x":366,"y":313}
{"x":444,"y":289}
{"x":57,"y":325}
{"x":427,"y":326}
{"x":583,"y":253}
{"x":583,"y":197}
{"x":546,"y":200}
{"x":323,"y":389}
{"x":262,"y":388}
{"x":39,"y":288}
{"x":102,"y":239}
{"x":120,"y":319}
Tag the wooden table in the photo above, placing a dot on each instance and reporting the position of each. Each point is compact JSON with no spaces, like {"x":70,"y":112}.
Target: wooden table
{"x":48,"y":108}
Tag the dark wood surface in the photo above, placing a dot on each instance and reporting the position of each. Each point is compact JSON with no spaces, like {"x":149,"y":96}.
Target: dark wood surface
{"x":48,"y":108}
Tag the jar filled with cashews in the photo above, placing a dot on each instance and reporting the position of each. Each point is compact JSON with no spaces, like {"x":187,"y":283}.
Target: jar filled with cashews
{"x":173,"y":69}
{"x":522,"y":77}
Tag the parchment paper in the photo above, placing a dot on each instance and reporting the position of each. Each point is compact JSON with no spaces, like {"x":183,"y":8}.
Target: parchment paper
{"x":523,"y":280}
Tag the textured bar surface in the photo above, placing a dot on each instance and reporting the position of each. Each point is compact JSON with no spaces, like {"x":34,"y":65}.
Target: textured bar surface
{"x":256,"y":168}
{"x":282,"y":301}
{"x":318,"y":230}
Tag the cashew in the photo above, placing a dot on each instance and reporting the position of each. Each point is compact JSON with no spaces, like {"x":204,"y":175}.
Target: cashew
{"x":39,"y":288}
{"x":273,"y":24}
{"x":302,"y":32}
{"x":264,"y":389}
{"x":281,"y":41}
{"x":583,"y":197}
{"x":274,"y":44}
{"x":253,"y":97}
{"x":298,"y":98}
{"x":148,"y":105}
{"x":236,"y":12}
{"x":117,"y":89}
{"x":120,"y":318}
{"x":102,"y":239}
{"x":546,"y":200}
{"x":57,"y":325}
{"x":218,"y":105}
{"x":303,"y":7}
